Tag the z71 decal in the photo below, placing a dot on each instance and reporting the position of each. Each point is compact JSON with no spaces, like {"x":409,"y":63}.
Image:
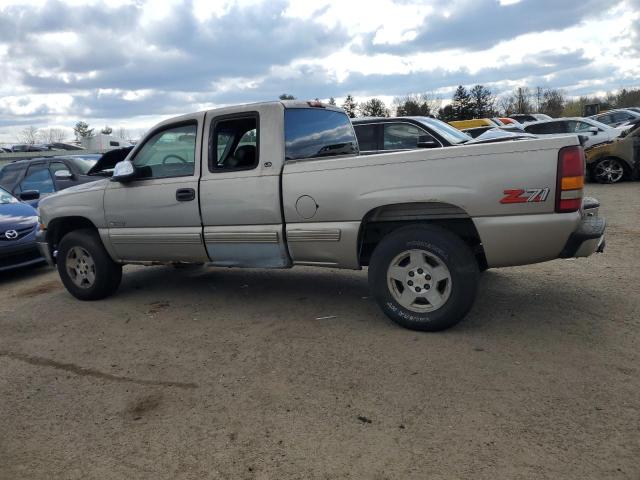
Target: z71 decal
{"x":522,"y":195}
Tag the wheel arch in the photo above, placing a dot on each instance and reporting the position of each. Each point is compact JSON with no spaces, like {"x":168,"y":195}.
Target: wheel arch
{"x":382,"y":220}
{"x":59,"y":227}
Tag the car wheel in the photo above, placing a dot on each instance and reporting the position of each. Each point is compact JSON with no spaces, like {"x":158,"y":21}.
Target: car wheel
{"x":424,"y":277}
{"x":608,"y":170}
{"x":85,"y":267}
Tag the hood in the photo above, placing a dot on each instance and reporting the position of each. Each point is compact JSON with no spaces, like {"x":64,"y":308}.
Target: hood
{"x":109,"y":160}
{"x":17,"y":215}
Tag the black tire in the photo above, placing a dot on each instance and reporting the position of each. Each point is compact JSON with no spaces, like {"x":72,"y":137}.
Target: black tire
{"x":437,"y":244}
{"x":108,"y":273}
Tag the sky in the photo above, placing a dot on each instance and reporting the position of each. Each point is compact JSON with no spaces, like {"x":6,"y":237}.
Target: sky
{"x":132,"y":63}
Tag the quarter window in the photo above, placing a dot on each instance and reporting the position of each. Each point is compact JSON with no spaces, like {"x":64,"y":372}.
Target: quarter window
{"x":316,"y":132}
{"x":169,"y":153}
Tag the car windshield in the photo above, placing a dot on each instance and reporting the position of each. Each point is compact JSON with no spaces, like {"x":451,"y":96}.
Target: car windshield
{"x":6,"y":197}
{"x":449,"y":133}
{"x":84,"y":163}
{"x":598,"y":124}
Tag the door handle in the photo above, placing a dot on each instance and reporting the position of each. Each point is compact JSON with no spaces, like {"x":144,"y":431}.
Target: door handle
{"x":185,"y":194}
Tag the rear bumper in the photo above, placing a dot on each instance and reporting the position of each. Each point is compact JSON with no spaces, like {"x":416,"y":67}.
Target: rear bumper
{"x":587,"y":239}
{"x":43,"y":246}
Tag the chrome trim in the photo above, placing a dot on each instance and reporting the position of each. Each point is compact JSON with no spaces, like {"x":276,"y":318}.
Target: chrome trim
{"x":166,"y":238}
{"x":241,"y":237}
{"x":313,"y":235}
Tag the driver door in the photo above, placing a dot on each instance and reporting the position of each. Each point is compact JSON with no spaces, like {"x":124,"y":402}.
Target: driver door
{"x":155,"y":217}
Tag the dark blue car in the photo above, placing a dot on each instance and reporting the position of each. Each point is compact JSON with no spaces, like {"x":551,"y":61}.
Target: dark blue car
{"x":18,"y":227}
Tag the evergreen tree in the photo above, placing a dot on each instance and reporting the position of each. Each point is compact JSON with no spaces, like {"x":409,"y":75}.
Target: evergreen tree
{"x":461,"y":104}
{"x":332,"y":101}
{"x":286,"y":96}
{"x":350,"y":106}
{"x":482,"y":102}
{"x":446,"y":114}
{"x":107,"y":130}
{"x":82,"y":130}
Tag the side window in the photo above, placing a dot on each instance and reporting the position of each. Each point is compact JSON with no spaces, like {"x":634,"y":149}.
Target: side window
{"x":56,"y":166}
{"x":233,"y":144}
{"x":401,"y":136}
{"x":38,"y":178}
{"x":169,"y":153}
{"x":582,"y":126}
{"x":605,"y":119}
{"x":316,"y":132}
{"x":367,"y":137}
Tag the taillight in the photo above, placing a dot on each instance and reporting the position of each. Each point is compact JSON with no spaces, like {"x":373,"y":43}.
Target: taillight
{"x":570,"y":179}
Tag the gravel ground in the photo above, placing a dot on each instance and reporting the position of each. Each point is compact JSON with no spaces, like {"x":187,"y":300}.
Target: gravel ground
{"x":209,"y":373}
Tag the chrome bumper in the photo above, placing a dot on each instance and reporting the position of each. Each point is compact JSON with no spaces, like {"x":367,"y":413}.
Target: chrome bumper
{"x":588,"y":237}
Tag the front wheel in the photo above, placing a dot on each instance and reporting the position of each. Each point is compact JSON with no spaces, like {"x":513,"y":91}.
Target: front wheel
{"x":424,"y":277}
{"x":86,"y":269}
{"x":608,"y":170}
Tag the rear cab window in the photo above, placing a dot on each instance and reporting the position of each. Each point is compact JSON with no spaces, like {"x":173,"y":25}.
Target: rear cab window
{"x":318,"y":132}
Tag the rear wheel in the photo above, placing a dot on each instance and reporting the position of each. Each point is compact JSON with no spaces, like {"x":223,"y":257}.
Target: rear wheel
{"x":86,"y":269}
{"x":608,"y":170}
{"x":424,"y":277}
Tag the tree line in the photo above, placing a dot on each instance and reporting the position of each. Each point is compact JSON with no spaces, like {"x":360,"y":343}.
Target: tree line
{"x":31,"y":135}
{"x":480,"y":101}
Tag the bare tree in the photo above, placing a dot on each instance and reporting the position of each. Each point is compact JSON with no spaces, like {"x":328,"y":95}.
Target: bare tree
{"x":123,"y":133}
{"x":52,"y":135}
{"x":28,"y":135}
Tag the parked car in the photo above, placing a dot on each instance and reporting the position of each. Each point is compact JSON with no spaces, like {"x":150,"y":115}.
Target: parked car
{"x":29,"y":148}
{"x":46,"y":175}
{"x":614,"y":161}
{"x":478,"y":131}
{"x":18,"y":228}
{"x":594,"y":131}
{"x":378,"y":134}
{"x":279,"y":184}
{"x":476,"y":122}
{"x":618,"y":117}
{"x":529,"y":117}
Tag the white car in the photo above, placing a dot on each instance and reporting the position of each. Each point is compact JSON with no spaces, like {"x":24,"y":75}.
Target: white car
{"x":595,"y":131}
{"x":618,"y":117}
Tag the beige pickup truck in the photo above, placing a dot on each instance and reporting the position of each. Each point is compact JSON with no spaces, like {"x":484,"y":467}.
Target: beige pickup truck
{"x":278,"y":184}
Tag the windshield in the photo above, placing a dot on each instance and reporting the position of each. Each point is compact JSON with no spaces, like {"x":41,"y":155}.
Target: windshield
{"x":449,"y":133}
{"x":84,"y":163}
{"x":6,"y":197}
{"x":598,"y":124}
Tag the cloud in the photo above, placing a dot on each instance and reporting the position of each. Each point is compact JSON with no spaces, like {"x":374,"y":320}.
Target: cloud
{"x":87,"y":47}
{"x":139,"y":60}
{"x":481,"y":24}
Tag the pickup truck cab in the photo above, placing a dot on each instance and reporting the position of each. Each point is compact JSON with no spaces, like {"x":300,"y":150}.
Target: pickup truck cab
{"x":278,"y":184}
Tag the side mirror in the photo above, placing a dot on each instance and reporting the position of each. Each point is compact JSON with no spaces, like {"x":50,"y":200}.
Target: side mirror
{"x":29,"y":195}
{"x":123,"y":172}
{"x":593,"y":130}
{"x":63,"y":175}
{"x":425,"y":141}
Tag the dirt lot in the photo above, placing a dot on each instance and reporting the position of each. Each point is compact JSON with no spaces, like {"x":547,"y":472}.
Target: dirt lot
{"x":209,"y":373}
